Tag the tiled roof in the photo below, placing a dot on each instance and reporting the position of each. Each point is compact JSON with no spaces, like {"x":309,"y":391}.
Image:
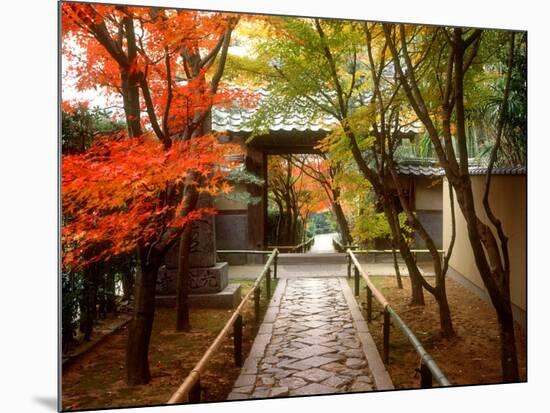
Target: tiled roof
{"x":420,"y":170}
{"x":239,"y":121}
{"x":429,"y":170}
{"x":512,"y":170}
{"x":236,"y":119}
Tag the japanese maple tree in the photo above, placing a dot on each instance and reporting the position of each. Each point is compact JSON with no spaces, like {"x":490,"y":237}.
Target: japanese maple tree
{"x":139,"y":190}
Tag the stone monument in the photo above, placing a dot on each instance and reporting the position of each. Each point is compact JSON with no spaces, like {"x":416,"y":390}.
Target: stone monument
{"x":209,"y":283}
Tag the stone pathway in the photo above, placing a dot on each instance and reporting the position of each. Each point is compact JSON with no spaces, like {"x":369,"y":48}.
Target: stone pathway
{"x":323,"y":244}
{"x":312,"y":341}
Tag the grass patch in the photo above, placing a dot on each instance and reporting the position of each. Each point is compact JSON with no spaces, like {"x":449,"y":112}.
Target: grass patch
{"x":472,"y":357}
{"x":97,"y":379}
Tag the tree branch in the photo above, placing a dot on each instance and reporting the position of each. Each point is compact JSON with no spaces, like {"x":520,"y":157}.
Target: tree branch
{"x":502,"y":117}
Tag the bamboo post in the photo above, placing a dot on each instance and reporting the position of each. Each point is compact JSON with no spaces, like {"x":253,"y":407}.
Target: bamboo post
{"x":257,"y":294}
{"x":425,"y":376}
{"x":356,"y":281}
{"x":369,"y":305}
{"x":386,"y":334}
{"x":268,"y":283}
{"x":238,"y":341}
{"x":349,"y":265}
{"x":275,"y":266}
{"x":195,"y":393}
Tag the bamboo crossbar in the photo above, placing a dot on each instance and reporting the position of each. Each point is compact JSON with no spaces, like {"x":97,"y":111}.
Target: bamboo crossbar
{"x":244,"y":252}
{"x":292,"y":247}
{"x":414,"y":251}
{"x":182,"y":393}
{"x":342,"y":246}
{"x":425,"y":357}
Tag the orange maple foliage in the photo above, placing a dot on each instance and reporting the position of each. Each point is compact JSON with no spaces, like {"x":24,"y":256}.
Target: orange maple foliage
{"x":124,"y":191}
{"x":311,"y":194}
{"x":162,"y":37}
{"x":118,"y":192}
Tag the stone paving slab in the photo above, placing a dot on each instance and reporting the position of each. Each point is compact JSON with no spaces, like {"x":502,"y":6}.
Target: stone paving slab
{"x":381,"y":376}
{"x":312,"y":342}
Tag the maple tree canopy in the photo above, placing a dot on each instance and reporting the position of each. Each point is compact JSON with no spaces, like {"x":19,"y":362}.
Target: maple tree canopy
{"x":118,"y":192}
{"x":127,"y":189}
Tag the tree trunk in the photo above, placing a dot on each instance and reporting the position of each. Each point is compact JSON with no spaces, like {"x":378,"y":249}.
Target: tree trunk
{"x":130,"y":98}
{"x":508,"y":353}
{"x":182,"y":285}
{"x":130,"y":82}
{"x":127,"y":277}
{"x":88,"y":301}
{"x":417,"y":293}
{"x":499,"y":291}
{"x":288,"y":226}
{"x":101,"y":289}
{"x":110,"y":294}
{"x":342,"y":223}
{"x":295,"y":227}
{"x":439,"y":291}
{"x":277,"y":235}
{"x":445,"y":320}
{"x":396,"y":267}
{"x":141,"y":326}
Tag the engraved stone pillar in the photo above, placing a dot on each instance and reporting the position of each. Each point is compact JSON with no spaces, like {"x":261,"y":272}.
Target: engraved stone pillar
{"x":203,"y":241}
{"x":206,"y":276}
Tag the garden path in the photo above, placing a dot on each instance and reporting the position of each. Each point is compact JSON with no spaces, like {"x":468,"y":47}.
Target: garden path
{"x":323,"y":243}
{"x":313,"y":340}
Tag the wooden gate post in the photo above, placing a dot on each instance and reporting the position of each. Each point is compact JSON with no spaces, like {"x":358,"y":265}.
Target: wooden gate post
{"x":349,"y":265}
{"x":257,"y":294}
{"x":425,"y":376}
{"x":275,"y":266}
{"x":268,"y":283}
{"x":356,"y":282}
{"x":238,"y":341}
{"x":386,"y":334}
{"x":369,"y":305}
{"x":195,"y":392}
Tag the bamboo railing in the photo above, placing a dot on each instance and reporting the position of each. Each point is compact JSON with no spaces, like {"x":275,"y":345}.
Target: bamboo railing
{"x":429,"y":369}
{"x":338,"y":246}
{"x":190,"y":389}
{"x":302,"y":247}
{"x":374,"y":252}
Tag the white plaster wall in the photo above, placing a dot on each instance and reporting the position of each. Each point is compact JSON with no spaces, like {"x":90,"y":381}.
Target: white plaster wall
{"x":428,"y":194}
{"x":508,"y":199}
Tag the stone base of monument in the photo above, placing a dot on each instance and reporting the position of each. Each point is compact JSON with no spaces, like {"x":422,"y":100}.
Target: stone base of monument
{"x":209,"y":287}
{"x":209,"y":279}
{"x":228,"y":298}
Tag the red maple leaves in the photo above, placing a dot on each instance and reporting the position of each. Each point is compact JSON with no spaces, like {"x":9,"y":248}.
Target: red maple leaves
{"x":129,"y":190}
{"x":124,"y":190}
